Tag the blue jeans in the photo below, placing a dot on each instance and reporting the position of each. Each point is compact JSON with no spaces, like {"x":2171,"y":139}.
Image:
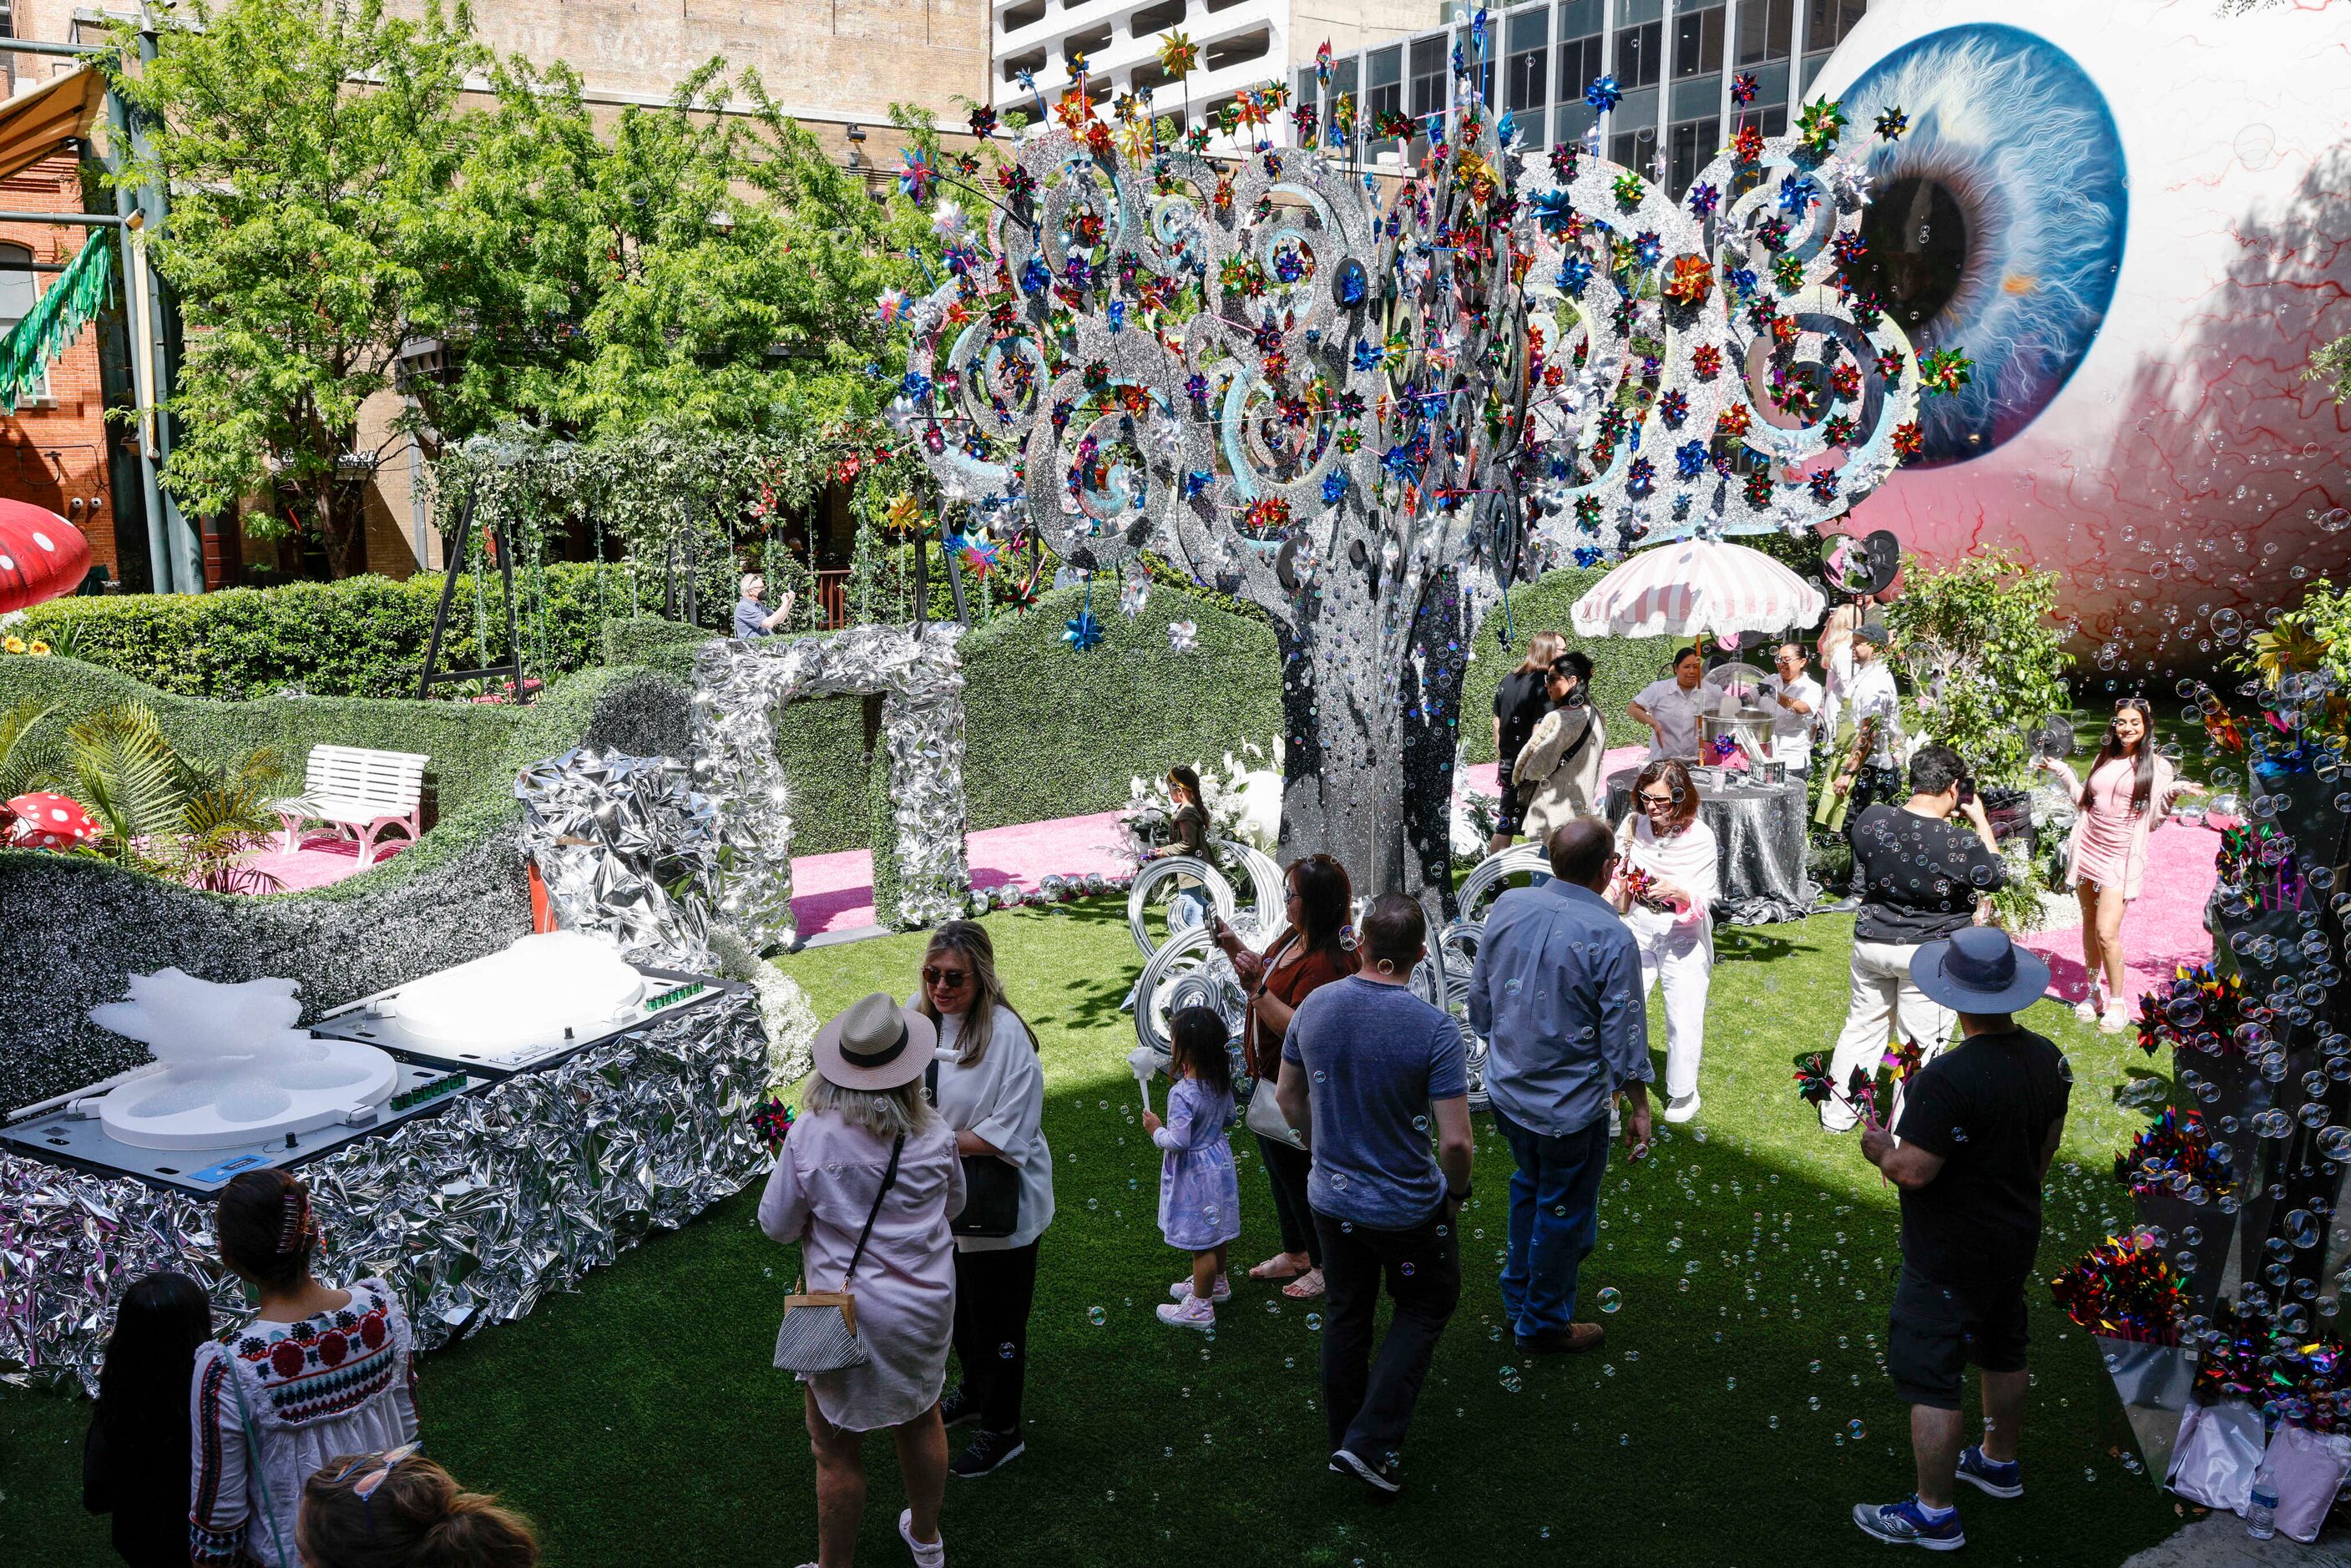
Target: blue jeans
{"x":1554,"y":1220}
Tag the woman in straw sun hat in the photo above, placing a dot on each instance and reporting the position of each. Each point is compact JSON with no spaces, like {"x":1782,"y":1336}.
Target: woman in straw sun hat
{"x":865,"y":1100}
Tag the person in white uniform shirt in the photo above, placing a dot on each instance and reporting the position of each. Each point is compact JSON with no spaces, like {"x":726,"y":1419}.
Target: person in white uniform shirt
{"x":1669,"y":906}
{"x":991,"y":1090}
{"x":1669,"y":710}
{"x":1796,"y":700}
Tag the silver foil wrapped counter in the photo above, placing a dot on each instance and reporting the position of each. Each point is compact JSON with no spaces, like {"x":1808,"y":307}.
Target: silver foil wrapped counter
{"x":472,"y":1214}
{"x":739,"y":686}
{"x":627,"y":848}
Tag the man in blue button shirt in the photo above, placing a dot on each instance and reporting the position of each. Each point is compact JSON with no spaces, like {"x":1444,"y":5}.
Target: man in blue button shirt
{"x":1557,"y":993}
{"x":752,"y":619}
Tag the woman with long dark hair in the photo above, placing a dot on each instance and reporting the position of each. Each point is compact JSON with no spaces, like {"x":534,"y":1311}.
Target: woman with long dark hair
{"x":134,"y":1463}
{"x":1311,"y":950}
{"x":990,"y":1087}
{"x":322,"y":1370}
{"x":2129,"y":792}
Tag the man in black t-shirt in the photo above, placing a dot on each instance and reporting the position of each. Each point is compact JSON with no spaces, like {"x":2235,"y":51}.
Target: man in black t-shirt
{"x":1918,"y":875}
{"x":1520,"y":703}
{"x":1976,"y":1132}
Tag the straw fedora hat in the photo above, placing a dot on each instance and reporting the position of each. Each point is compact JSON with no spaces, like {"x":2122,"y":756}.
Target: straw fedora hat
{"x":875,"y":1043}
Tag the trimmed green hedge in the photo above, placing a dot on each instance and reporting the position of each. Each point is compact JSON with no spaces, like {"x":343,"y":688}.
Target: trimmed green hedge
{"x":1048,"y":731}
{"x":1621,"y":666}
{"x":361,"y":637}
{"x":476,"y":747}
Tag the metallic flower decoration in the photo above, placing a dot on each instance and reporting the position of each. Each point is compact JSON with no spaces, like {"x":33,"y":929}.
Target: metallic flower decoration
{"x":1892,"y":123}
{"x":1178,"y":55}
{"x":1703,"y":200}
{"x":1748,"y":143}
{"x":1944,"y":370}
{"x":949,"y":221}
{"x":1604,"y":94}
{"x":1082,"y":631}
{"x":890,"y":304}
{"x":1183,"y":636}
{"x":914,"y":173}
{"x":1820,"y":122}
{"x":1132,"y":595}
{"x":983,"y":122}
{"x":1743,"y":88}
{"x":1628,"y":188}
{"x":905,"y":513}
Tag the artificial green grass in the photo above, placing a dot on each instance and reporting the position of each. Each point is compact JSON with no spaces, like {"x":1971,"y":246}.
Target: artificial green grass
{"x":638,"y":1421}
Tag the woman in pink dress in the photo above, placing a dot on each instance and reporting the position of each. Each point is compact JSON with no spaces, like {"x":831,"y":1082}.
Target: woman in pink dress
{"x":2129,"y":790}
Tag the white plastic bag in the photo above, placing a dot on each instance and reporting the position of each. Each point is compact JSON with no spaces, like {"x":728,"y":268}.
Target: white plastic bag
{"x":2309,"y":1467}
{"x":2218,"y":1448}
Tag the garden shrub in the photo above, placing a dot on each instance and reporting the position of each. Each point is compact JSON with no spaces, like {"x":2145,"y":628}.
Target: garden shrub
{"x":361,"y":637}
{"x":1984,"y":660}
{"x":1621,"y":666}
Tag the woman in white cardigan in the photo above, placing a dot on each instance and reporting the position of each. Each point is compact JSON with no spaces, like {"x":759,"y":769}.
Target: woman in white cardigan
{"x":1666,"y":884}
{"x":1558,"y":766}
{"x":991,"y":1090}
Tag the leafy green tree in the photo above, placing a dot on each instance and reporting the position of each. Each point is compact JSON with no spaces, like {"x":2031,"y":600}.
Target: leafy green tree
{"x":336,"y":198}
{"x":1980,"y":646}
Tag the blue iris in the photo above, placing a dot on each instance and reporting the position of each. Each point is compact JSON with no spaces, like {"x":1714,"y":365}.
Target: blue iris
{"x":2013,"y":143}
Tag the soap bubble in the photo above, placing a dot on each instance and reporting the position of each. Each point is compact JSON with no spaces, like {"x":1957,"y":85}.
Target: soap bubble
{"x":1610,"y":1299}
{"x":1856,"y":1431}
{"x":1096,"y":1316}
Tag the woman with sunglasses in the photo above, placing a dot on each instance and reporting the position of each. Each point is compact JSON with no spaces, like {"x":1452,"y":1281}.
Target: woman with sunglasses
{"x":991,"y":1090}
{"x":399,"y":1509}
{"x":319,"y":1371}
{"x":1665,"y":886}
{"x":1310,"y":952}
{"x":2130,"y":790}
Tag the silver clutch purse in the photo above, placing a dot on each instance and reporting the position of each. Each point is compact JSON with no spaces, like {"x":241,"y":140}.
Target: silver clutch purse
{"x":818,"y":1333}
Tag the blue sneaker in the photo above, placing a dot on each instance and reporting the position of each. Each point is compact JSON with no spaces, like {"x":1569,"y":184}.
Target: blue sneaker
{"x":1989,"y":1475}
{"x":1902,"y":1524}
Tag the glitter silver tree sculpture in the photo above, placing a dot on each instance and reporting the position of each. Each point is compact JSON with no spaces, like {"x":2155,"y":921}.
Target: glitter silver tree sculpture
{"x":1369,"y":416}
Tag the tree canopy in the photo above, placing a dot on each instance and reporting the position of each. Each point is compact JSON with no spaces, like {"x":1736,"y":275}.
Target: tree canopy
{"x":352,"y":188}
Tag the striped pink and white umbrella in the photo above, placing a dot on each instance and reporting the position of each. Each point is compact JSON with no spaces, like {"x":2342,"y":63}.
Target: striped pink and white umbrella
{"x":1694,"y":587}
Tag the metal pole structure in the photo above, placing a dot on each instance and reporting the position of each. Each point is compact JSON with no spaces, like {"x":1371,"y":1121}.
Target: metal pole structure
{"x":159,"y":550}
{"x":155,"y":201}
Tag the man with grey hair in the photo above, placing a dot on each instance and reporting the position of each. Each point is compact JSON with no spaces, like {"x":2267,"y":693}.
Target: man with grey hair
{"x":751,"y":617}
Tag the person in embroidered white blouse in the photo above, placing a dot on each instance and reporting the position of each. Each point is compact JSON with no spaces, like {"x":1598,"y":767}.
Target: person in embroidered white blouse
{"x":320,"y":1371}
{"x":1667,"y":882}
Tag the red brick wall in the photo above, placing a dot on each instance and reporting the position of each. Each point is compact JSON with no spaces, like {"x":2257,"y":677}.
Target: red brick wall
{"x":53,"y":451}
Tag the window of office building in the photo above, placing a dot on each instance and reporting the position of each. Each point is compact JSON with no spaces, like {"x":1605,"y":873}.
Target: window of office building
{"x":1481,"y":72}
{"x":1428,"y":69}
{"x":1581,"y":53}
{"x":1697,"y":42}
{"x":1528,"y":40}
{"x":1764,"y":30}
{"x":1342,"y":85}
{"x":1383,"y":85}
{"x":1640,"y":43}
{"x":1633,"y":140}
{"x":1826,"y":22}
{"x":1690,"y":146}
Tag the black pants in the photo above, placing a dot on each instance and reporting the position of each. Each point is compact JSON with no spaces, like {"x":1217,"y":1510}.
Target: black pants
{"x":1368,"y":1402}
{"x":1286,"y":1168}
{"x":993,"y":1293}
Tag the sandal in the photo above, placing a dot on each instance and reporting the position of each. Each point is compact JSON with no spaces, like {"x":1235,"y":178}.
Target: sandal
{"x":1276,"y":1267}
{"x":2115,"y":1020}
{"x":1306,"y":1287}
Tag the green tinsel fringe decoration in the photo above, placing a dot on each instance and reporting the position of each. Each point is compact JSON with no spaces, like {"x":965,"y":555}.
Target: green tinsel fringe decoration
{"x":56,"y":319}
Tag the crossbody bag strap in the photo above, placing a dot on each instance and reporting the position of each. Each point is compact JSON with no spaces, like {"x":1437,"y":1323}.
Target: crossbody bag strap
{"x":259,"y":1476}
{"x":889,"y":1180}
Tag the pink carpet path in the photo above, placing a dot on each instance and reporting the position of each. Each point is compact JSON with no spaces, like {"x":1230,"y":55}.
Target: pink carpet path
{"x":835,"y":892}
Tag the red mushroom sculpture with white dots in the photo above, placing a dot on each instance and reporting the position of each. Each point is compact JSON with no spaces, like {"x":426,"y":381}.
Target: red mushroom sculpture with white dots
{"x":42,"y":556}
{"x":44,"y":820}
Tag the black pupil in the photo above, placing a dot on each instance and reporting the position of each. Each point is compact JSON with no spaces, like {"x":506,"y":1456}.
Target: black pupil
{"x":1915,"y":277}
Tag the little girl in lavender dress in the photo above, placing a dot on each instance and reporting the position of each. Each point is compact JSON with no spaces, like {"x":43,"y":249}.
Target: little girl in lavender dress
{"x":1199,"y":1192}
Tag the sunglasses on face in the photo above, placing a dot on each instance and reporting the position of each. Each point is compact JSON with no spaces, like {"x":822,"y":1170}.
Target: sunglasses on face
{"x":944,"y":979}
{"x":1649,"y":800}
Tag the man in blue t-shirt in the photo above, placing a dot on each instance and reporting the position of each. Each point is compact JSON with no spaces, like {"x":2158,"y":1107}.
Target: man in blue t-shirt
{"x":753,"y":618}
{"x":1368,"y":1073}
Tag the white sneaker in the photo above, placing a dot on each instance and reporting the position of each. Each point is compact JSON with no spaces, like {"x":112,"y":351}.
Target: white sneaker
{"x":1840,"y":1119}
{"x":1181,"y":1291}
{"x":1681,"y":1107}
{"x":1191,"y":1313}
{"x":932,"y":1555}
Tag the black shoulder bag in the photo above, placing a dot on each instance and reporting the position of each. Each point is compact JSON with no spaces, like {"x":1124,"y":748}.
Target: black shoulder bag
{"x":991,"y":1184}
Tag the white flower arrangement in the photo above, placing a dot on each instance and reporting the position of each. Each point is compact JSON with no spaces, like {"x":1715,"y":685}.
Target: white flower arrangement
{"x":1242,"y":799}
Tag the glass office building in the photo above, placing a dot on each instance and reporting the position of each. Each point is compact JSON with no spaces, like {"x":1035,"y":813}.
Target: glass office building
{"x":1674,"y":60}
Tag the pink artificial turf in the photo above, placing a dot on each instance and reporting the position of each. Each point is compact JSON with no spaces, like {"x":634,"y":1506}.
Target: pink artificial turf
{"x":320,"y":860}
{"x":835,"y":892}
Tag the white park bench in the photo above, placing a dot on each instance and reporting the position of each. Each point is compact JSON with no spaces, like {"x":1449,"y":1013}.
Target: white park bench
{"x":359,"y":790}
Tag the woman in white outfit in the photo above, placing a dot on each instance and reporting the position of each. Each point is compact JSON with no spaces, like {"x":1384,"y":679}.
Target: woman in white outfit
{"x":990,"y":1087}
{"x":1668,"y":908}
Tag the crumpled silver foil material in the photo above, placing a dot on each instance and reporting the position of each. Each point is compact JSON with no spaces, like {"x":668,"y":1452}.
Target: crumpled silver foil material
{"x":738,"y":685}
{"x":472,"y":1214}
{"x":627,"y":848}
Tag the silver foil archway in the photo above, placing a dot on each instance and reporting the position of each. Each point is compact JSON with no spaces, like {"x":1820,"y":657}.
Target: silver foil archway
{"x":739,"y":686}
